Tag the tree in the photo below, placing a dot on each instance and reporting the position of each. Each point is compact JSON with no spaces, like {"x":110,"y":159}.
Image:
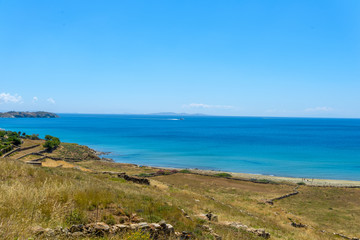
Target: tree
{"x":51,"y":142}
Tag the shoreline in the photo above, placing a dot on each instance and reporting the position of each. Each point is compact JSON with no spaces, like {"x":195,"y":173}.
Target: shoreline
{"x":256,"y":177}
{"x":317,"y":182}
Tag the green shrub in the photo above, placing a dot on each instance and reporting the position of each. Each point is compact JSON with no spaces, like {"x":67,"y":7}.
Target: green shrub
{"x":225,"y":175}
{"x":51,"y":142}
{"x":145,"y":175}
{"x":265,"y":181}
{"x":109,"y":219}
{"x":76,"y":217}
{"x":185,"y":171}
{"x":301,"y":183}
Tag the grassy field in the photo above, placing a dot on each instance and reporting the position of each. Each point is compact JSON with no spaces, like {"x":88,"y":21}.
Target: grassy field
{"x":52,"y":196}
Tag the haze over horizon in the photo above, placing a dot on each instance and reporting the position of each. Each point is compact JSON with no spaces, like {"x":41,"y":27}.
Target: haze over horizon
{"x":234,"y":58}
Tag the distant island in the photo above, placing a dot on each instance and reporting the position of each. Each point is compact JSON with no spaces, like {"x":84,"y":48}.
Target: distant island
{"x":40,"y":114}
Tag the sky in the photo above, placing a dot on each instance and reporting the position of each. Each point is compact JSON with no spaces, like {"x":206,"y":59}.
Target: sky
{"x":284,"y":58}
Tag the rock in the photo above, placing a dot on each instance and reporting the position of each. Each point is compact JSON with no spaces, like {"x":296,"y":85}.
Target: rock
{"x":162,"y":223}
{"x":78,"y":234}
{"x":209,"y":217}
{"x":143,"y":225}
{"x":212,"y":217}
{"x":258,"y":232}
{"x":298,"y":225}
{"x":155,"y":226}
{"x":134,"y":179}
{"x":185,"y":214}
{"x":76,"y":228}
{"x":49,"y":232}
{"x":134,"y":226}
{"x":38,"y":230}
{"x":169,"y":229}
{"x":118,"y":228}
{"x":186,"y":235}
{"x":98,"y":229}
{"x":134,"y":218}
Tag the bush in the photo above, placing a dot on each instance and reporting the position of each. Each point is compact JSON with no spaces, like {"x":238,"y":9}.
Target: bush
{"x":301,"y":183}
{"x":225,"y":175}
{"x":145,"y":175}
{"x":33,"y":136}
{"x":51,"y":142}
{"x":76,"y":217}
{"x":160,"y":172}
{"x":108,"y":219}
{"x":185,"y":171}
{"x":264,"y":181}
{"x":14,"y":140}
{"x":2,"y":133}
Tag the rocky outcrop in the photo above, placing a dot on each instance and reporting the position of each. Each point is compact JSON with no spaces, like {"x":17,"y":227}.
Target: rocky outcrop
{"x":211,"y":231}
{"x":100,"y":229}
{"x":134,"y":179}
{"x":297,"y":224}
{"x":258,"y":232}
{"x":209,"y":217}
{"x":123,"y":175}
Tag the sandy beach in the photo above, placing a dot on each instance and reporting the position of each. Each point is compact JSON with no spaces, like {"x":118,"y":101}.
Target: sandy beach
{"x":292,"y":180}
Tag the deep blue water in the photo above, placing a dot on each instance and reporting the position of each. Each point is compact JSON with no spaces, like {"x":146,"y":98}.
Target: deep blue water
{"x":295,"y":147}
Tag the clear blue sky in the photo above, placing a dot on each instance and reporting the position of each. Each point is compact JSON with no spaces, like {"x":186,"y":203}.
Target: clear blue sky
{"x":247,"y":58}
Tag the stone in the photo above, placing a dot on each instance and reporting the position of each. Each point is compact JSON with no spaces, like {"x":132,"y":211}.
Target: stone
{"x":143,"y":225}
{"x":49,"y":232}
{"x":76,"y":228}
{"x":169,"y":229}
{"x":118,"y":228}
{"x":298,"y":225}
{"x":78,"y":234}
{"x":99,"y":228}
{"x":155,"y":226}
{"x":186,"y":235}
{"x":134,"y":226}
{"x":162,"y":223}
{"x":38,"y":230}
{"x":258,"y":232}
{"x":212,"y":217}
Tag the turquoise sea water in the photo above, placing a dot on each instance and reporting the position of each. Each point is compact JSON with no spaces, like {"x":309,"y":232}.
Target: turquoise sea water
{"x":294,"y":147}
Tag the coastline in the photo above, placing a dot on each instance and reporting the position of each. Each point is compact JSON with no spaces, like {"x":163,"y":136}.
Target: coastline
{"x":259,"y":177}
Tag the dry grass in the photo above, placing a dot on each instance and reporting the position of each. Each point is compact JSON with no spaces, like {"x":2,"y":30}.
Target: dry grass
{"x":52,"y":196}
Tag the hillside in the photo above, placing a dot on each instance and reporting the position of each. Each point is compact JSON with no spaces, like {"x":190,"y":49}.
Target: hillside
{"x":40,"y":114}
{"x":67,"y":192}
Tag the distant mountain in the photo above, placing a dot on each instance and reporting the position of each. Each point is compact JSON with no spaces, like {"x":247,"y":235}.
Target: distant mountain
{"x":177,"y":114}
{"x":40,"y":114}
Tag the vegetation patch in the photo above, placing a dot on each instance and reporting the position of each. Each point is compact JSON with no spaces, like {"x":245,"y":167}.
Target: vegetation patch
{"x":51,"y":142}
{"x":225,"y":175}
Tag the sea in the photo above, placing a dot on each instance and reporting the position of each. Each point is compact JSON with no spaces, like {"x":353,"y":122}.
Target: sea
{"x":289,"y":147}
